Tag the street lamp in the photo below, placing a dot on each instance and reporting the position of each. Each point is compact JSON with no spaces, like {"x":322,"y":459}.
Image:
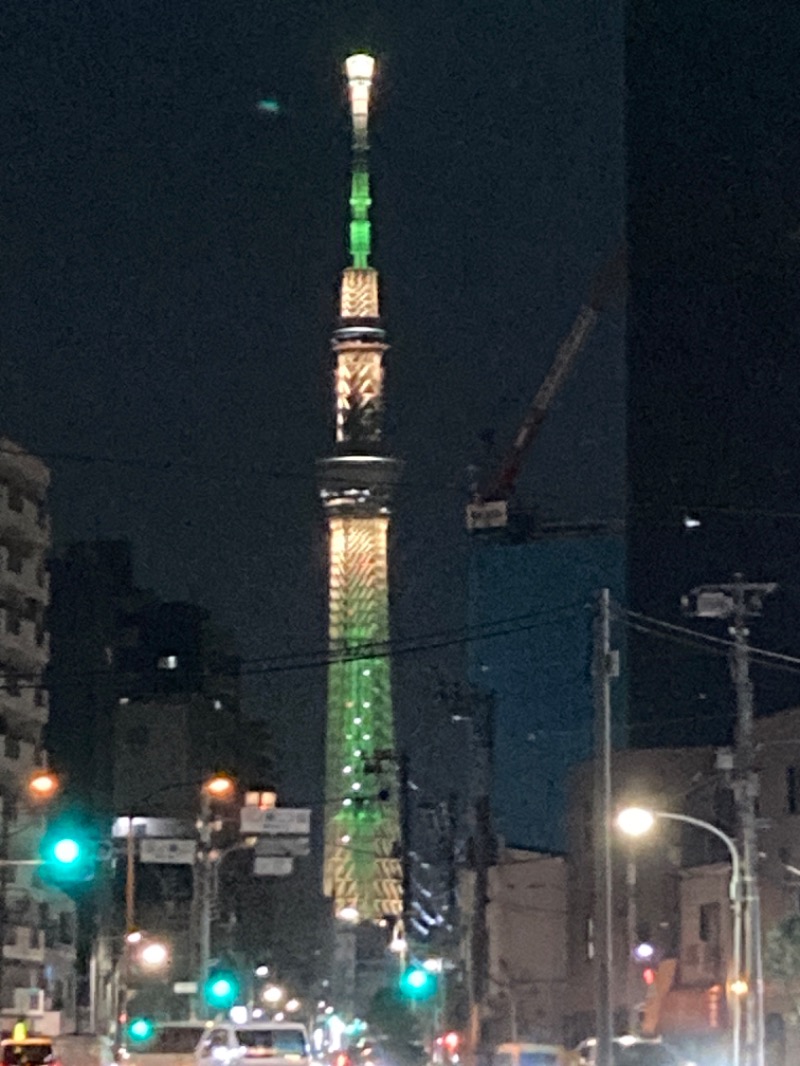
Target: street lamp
{"x":219,"y":787}
{"x":154,"y":955}
{"x":636,"y":822}
{"x":43,"y":785}
{"x":272,"y":994}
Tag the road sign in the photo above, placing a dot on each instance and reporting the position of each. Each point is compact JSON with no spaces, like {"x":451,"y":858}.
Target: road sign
{"x":279,"y":821}
{"x":295,"y":846}
{"x":185,"y":988}
{"x":145,"y":826}
{"x":171,"y":852}
{"x":273,"y":865}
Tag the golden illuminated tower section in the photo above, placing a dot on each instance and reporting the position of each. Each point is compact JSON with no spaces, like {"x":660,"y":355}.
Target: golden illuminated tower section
{"x":361,"y":803}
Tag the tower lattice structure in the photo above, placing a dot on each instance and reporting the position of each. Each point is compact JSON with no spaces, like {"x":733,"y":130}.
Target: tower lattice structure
{"x":361,"y":871}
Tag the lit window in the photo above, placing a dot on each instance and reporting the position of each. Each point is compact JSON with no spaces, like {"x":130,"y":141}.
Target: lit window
{"x":123,"y":700}
{"x":168,"y":662}
{"x":217,"y":705}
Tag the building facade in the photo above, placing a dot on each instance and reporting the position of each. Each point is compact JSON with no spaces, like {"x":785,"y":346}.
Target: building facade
{"x":540,"y":596}
{"x":37,"y":922}
{"x":526,"y":922}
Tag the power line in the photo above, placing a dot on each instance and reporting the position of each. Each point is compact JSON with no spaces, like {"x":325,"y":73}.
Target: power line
{"x":659,"y":627}
{"x":370,"y":650}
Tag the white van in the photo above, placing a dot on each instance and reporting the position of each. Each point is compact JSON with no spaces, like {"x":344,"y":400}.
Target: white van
{"x":271,"y":1043}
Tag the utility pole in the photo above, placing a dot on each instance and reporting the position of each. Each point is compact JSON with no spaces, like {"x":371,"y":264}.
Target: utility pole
{"x":738,"y":601}
{"x":605,"y":667}
{"x":202,"y":900}
{"x":477,"y":715}
{"x":406,"y":887}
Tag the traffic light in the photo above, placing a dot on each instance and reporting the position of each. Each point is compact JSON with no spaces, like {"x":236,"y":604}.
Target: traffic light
{"x":68,"y":851}
{"x":141,"y":1030}
{"x":221,"y":989}
{"x":417,"y":983}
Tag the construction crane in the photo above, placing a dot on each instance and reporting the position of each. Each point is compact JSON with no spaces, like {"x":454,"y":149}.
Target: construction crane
{"x":488,"y":508}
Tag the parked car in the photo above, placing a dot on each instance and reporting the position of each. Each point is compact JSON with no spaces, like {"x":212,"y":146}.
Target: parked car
{"x":229,"y":1044}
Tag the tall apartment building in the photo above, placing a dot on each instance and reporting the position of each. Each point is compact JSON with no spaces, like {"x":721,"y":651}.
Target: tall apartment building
{"x":36,"y":922}
{"x":130,"y":671}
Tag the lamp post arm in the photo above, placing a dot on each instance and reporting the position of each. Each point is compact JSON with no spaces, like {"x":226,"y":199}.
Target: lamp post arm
{"x":726,"y":840}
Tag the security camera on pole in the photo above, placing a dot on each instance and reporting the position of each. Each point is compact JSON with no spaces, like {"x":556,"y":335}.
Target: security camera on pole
{"x":738,"y":601}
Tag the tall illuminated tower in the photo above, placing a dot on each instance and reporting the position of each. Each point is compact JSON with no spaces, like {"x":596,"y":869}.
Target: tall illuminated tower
{"x":361,"y":803}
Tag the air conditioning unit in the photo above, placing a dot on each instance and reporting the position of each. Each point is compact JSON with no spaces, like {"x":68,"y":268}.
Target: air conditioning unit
{"x":29,"y":1000}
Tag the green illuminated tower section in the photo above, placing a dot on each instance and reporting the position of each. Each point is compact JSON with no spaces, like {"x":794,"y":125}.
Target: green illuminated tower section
{"x":361,"y":871}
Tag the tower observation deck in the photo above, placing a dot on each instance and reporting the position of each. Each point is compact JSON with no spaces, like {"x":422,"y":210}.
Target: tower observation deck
{"x":361,"y":870}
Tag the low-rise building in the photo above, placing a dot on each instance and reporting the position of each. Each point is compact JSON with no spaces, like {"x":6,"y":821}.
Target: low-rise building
{"x":527,"y":934}
{"x":37,"y":922}
{"x":673,"y":890}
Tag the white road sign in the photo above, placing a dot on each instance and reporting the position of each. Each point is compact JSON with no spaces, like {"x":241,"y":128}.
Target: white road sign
{"x":295,"y":846}
{"x":277,"y":821}
{"x":273,"y":866}
{"x":172,"y":852}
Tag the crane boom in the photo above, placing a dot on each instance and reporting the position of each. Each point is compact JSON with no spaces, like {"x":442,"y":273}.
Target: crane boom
{"x":502,"y":484}
{"x":489,"y":506}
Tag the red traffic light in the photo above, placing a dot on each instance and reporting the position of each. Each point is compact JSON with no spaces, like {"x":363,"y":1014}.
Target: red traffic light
{"x":648,"y":975}
{"x":451,"y":1042}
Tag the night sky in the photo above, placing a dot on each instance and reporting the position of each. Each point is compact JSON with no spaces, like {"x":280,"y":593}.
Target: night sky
{"x":170,"y":260}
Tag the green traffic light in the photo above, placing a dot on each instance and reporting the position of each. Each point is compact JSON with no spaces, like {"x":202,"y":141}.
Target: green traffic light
{"x":66,"y":851}
{"x":417,"y":983}
{"x":69,"y":851}
{"x":221,"y":990}
{"x":141,"y":1029}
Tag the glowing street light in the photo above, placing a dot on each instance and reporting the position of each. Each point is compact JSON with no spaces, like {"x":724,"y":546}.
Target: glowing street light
{"x":348,"y":913}
{"x":292,"y":1005}
{"x":635,"y":821}
{"x":220,"y":787}
{"x":43,"y":784}
{"x":154,"y":955}
{"x":272,"y":994}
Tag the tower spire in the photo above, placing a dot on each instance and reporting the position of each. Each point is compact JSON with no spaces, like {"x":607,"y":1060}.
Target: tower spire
{"x":360,"y":69}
